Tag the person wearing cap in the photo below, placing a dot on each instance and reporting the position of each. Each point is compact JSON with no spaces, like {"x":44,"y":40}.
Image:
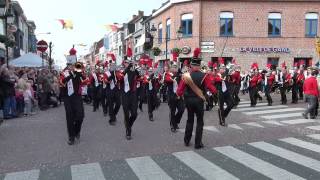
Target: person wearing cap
{"x":71,"y":81}
{"x":295,"y":87}
{"x":284,"y":80}
{"x":300,"y":81}
{"x":224,"y":92}
{"x":254,"y":81}
{"x":310,"y":89}
{"x":269,"y":79}
{"x":113,"y":93}
{"x":129,"y":96}
{"x":192,"y":86}
{"x":105,"y":87}
{"x":176,"y":105}
{"x":96,"y":84}
{"x":236,"y":84}
{"x":152,"y":90}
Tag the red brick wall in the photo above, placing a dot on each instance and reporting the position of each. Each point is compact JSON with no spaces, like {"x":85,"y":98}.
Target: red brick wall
{"x":250,"y":29}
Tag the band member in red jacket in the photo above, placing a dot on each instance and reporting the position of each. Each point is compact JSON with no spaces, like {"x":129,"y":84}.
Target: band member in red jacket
{"x":310,"y":89}
{"x":300,"y":81}
{"x":236,"y":84}
{"x":285,"y":81}
{"x":192,"y":87}
{"x":96,"y":83}
{"x":255,"y":79}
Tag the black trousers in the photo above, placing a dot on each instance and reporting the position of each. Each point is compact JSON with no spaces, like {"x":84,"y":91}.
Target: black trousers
{"x":74,"y":114}
{"x":235,"y":94}
{"x":225,"y":97}
{"x":253,"y":93}
{"x":96,"y":96}
{"x":283,"y":93}
{"x":104,"y":100}
{"x":141,"y":92}
{"x":164,"y":93}
{"x":194,"y":107}
{"x":130,"y":106}
{"x":114,"y":99}
{"x":176,"y":110}
{"x":295,"y":90}
{"x":152,"y":101}
{"x":300,"y":89}
{"x":267,"y":93}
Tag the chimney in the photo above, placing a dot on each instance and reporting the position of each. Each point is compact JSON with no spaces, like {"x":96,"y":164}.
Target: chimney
{"x":140,"y":13}
{"x":134,"y":16}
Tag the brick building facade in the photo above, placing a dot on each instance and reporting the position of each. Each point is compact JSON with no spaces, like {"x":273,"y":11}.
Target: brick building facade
{"x":264,"y":31}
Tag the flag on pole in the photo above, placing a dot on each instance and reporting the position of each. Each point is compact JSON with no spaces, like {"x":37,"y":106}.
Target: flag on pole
{"x":66,"y":24}
{"x":112,"y":27}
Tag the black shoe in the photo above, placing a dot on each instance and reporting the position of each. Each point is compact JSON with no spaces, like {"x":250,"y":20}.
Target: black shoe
{"x":304,"y":116}
{"x":199,"y":146}
{"x":128,"y":134}
{"x":112,"y":123}
{"x":105,"y":114}
{"x":312,"y":117}
{"x":187,"y":144}
{"x":71,"y":142}
{"x":151,"y":117}
{"x":174,"y":130}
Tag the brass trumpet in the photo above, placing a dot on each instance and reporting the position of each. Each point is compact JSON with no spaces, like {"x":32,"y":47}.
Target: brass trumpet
{"x":78,"y":67}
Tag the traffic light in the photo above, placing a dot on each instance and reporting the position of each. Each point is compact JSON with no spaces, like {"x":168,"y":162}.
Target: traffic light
{"x":318,"y":45}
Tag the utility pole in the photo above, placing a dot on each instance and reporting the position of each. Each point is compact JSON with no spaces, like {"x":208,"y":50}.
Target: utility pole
{"x":50,"y":60}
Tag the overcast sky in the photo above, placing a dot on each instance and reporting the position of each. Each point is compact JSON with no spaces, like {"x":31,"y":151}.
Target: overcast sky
{"x":88,"y":16}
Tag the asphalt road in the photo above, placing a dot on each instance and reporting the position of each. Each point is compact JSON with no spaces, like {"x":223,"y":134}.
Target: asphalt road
{"x":37,"y":145}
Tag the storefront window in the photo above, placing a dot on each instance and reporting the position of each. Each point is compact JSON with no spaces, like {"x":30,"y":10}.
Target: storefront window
{"x":186,"y":22}
{"x":311,"y":24}
{"x":226,"y":24}
{"x":274,"y":24}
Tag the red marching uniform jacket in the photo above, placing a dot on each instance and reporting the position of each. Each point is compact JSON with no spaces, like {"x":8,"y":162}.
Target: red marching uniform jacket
{"x":255,"y":80}
{"x":236,"y":77}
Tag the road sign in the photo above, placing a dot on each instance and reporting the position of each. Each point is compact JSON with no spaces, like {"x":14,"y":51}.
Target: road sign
{"x":207,"y":43}
{"x":42,"y":46}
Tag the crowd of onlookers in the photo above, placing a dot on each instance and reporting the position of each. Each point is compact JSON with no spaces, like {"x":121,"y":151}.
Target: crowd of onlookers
{"x":25,"y":90}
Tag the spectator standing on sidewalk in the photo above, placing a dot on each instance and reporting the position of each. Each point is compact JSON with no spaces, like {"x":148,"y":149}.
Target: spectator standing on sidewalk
{"x":310,"y":89}
{"x":7,"y":84}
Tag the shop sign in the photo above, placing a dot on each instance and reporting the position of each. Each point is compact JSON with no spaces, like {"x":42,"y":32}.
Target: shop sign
{"x":207,"y":47}
{"x":264,"y":50}
{"x":185,"y":50}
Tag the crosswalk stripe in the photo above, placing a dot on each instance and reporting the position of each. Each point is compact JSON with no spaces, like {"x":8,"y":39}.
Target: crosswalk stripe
{"x":278,"y":116}
{"x":289,"y":155}
{"x":259,"y":108}
{"x":314,"y":136}
{"x":248,"y":105}
{"x":211,"y":128}
{"x":244,"y":102}
{"x":273,"y":111}
{"x":145,"y":168}
{"x":25,"y":175}
{"x":256,"y":164}
{"x":302,"y":144}
{"x":297,"y":121}
{"x":87,"y":171}
{"x":314,"y":128}
{"x":235,"y":126}
{"x":202,"y":166}
{"x":273,"y":122}
{"x":254,"y":124}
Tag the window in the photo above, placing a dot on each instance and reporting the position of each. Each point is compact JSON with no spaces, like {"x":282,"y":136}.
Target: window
{"x":226,"y":24}
{"x":168,"y":31}
{"x":311,"y":24}
{"x":274,"y":61}
{"x":186,"y":22}
{"x":160,"y":34}
{"x":274,"y":24}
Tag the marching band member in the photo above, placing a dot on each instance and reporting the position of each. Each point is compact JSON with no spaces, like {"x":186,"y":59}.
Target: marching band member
{"x":152,"y":90}
{"x":300,"y":80}
{"x":71,"y":80}
{"x":105,"y":88}
{"x":253,"y":84}
{"x":129,"y":96}
{"x":269,"y":79}
{"x":176,"y":105}
{"x":284,"y":81}
{"x":236,"y":84}
{"x":224,"y":92}
{"x":294,"y":88}
{"x":96,"y":83}
{"x":210,"y":98}
{"x":192,"y":87}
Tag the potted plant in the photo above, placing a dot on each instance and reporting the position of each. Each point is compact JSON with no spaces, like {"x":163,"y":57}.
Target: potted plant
{"x":156,"y":51}
{"x":176,"y":51}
